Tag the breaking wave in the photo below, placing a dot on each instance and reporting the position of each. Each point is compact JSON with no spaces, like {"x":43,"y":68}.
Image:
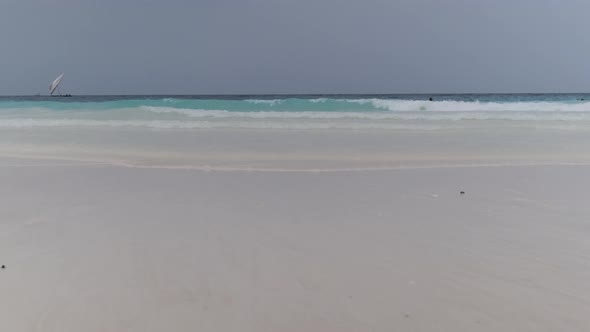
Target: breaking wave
{"x":314,"y":105}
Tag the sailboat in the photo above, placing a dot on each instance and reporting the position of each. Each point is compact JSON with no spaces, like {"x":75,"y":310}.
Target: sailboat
{"x":55,"y":85}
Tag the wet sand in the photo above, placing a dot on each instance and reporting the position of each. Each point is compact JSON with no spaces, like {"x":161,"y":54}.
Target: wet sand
{"x":91,"y":245}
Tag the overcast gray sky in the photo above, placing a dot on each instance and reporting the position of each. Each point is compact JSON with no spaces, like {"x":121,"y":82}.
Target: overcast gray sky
{"x":294,"y":46}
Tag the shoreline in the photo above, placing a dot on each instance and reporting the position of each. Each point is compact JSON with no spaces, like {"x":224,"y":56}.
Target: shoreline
{"x":34,"y":162}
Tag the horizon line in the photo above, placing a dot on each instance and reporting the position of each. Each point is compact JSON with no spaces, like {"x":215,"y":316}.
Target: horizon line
{"x":300,"y":94}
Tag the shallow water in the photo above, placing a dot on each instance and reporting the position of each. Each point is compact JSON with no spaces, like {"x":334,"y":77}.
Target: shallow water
{"x":393,"y":112}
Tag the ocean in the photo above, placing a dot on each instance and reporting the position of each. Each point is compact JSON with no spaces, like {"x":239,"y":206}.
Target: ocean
{"x":294,"y":111}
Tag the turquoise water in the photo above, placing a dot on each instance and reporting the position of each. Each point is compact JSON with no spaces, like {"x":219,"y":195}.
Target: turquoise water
{"x":304,"y":111}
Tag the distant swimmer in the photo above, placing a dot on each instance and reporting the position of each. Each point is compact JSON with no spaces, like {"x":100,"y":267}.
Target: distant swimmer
{"x":430,"y":98}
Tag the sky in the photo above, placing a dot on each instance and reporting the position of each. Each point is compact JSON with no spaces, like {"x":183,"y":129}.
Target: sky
{"x":294,"y":46}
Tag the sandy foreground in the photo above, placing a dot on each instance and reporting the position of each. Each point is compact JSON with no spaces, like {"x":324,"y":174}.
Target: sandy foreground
{"x":94,"y":246}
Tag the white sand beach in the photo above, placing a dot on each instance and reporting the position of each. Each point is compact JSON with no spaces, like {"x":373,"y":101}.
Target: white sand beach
{"x":243,"y":230}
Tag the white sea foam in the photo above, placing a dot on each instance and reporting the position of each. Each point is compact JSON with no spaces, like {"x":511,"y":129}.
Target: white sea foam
{"x":271,"y":102}
{"x":475,"y":106}
{"x":405,"y":115}
{"x":318,"y":100}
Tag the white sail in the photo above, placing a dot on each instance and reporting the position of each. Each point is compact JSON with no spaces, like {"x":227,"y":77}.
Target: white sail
{"x":55,"y":83}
